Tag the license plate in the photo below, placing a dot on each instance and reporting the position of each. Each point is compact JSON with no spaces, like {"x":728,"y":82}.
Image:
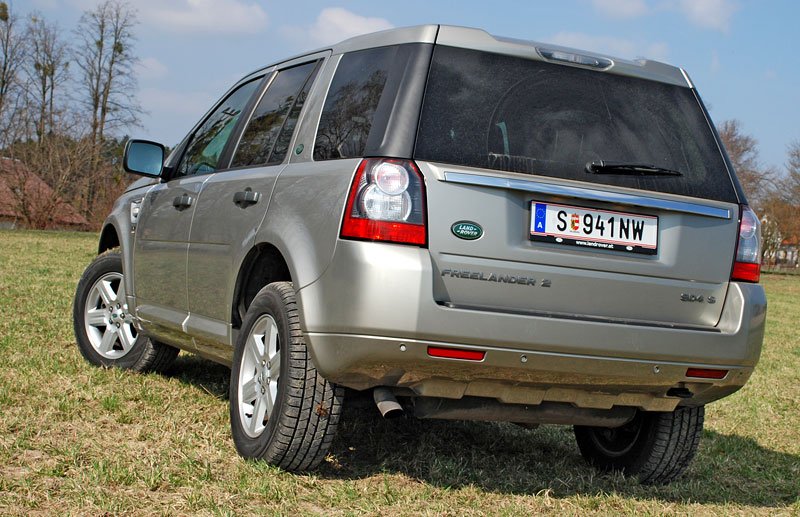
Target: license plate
{"x":591,"y":228}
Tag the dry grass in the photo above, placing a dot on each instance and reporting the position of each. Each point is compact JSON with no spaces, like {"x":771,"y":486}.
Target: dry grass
{"x":81,"y":440}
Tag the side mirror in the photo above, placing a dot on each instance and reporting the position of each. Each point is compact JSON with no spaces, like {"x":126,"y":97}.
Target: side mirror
{"x":144,"y":158}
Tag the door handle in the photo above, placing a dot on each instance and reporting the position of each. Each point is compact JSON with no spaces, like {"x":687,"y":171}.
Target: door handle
{"x":246,"y":197}
{"x":183,"y":201}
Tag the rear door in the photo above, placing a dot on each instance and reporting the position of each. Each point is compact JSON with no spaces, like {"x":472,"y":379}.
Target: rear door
{"x":234,"y":200}
{"x":507,"y":145}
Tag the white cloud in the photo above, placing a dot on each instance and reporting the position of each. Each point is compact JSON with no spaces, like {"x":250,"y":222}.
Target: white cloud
{"x":621,"y":8}
{"x":219,"y":16}
{"x":335,"y":24}
{"x":151,"y":68}
{"x":47,"y":5}
{"x":658,"y":51}
{"x":709,"y":14}
{"x":189,"y":104}
{"x":204,"y":16}
{"x":612,"y":46}
{"x":715,"y":63}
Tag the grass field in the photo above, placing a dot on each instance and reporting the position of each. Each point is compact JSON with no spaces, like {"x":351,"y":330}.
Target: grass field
{"x":82,"y":440}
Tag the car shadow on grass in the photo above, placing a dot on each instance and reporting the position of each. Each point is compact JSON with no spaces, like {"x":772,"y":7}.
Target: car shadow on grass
{"x":505,"y":458}
{"x":211,"y":377}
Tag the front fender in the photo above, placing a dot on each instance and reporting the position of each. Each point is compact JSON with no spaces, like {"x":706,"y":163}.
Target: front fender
{"x":119,"y":222}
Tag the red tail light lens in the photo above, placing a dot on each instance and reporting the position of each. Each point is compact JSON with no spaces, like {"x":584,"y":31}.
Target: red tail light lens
{"x":747,"y":266}
{"x":386,"y":203}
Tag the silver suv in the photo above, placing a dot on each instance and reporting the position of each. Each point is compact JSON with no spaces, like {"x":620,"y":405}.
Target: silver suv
{"x":473,"y":227}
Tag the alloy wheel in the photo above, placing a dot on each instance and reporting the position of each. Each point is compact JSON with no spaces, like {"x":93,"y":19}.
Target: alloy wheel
{"x":108,"y":323}
{"x":258,"y":376}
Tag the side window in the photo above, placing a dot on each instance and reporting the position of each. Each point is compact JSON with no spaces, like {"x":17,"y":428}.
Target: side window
{"x":267,"y":136}
{"x":351,"y":103}
{"x":285,"y":136}
{"x":207,"y":143}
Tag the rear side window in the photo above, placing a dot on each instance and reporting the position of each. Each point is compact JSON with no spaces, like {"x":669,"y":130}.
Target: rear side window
{"x":352,"y":100}
{"x":269,"y":130}
{"x":512,"y":114}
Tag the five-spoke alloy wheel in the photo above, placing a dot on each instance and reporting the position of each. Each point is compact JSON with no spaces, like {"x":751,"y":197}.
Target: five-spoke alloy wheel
{"x":104,"y":326}
{"x":282,"y":410}
{"x":258,"y":379}
{"x":108,"y":323}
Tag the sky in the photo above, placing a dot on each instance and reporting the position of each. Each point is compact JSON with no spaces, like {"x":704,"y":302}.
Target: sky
{"x":742,"y":55}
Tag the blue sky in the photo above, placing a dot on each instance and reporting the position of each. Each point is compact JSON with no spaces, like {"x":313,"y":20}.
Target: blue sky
{"x":742,"y":55}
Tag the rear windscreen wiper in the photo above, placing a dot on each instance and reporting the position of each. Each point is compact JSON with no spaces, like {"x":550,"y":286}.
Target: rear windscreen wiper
{"x":636,"y":169}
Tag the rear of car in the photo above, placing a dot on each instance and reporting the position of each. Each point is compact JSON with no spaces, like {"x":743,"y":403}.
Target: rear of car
{"x":565,"y":242}
{"x":477,"y":227}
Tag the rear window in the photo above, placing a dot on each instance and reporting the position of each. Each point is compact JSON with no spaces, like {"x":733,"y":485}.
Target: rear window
{"x":512,"y":114}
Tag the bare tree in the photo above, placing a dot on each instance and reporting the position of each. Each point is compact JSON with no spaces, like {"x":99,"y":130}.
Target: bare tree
{"x":743,"y":152}
{"x":777,"y":224}
{"x":780,"y":207}
{"x":13,"y":52}
{"x":105,"y":60}
{"x":47,"y":70}
{"x":62,"y":157}
{"x":790,"y":183}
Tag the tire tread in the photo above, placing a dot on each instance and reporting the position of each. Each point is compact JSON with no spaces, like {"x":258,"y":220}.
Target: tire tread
{"x":310,"y":407}
{"x":153,"y":356}
{"x":663,"y":451}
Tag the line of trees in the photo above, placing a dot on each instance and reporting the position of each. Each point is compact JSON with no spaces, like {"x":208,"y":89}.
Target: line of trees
{"x":773,"y":193}
{"x":64,"y":98}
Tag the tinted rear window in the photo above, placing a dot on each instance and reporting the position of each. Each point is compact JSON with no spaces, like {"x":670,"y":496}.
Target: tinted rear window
{"x":266,"y":138}
{"x":512,"y":114}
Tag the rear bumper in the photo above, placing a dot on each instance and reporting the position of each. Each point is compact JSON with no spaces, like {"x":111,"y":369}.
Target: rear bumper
{"x":371,"y":316}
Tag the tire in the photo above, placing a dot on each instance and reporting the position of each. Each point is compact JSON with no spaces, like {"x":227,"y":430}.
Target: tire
{"x":301,"y":410}
{"x":655,"y":447}
{"x":103,"y":326}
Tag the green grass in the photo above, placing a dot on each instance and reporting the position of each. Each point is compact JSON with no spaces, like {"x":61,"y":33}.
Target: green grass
{"x":82,"y":440}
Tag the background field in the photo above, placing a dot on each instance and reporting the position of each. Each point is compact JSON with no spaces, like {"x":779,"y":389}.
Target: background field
{"x":79,"y":439}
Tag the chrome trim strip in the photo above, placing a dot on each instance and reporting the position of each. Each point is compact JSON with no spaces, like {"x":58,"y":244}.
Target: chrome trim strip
{"x":686,"y":76}
{"x":587,"y":193}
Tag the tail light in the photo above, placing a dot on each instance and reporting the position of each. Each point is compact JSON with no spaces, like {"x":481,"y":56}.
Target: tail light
{"x":747,"y":266}
{"x":386,"y":203}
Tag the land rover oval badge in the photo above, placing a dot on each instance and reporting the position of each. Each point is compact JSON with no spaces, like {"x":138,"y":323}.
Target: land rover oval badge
{"x":467,"y":230}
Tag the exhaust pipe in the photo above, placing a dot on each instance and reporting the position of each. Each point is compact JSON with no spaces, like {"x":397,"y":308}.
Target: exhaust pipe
{"x":386,"y":402}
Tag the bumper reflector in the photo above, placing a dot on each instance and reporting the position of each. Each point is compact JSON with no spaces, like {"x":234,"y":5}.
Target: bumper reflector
{"x":706,"y":373}
{"x":456,"y":353}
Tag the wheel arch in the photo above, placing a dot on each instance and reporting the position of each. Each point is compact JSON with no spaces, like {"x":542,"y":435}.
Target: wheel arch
{"x":109,"y":238}
{"x":262,"y":265}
